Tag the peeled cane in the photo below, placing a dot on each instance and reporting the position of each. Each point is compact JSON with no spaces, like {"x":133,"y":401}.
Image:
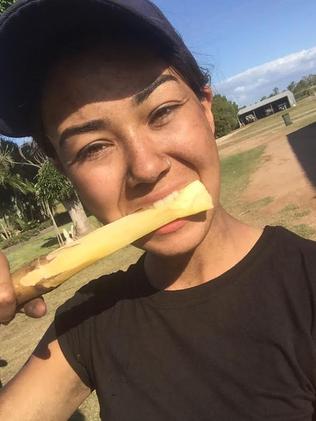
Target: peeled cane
{"x":46,"y":273}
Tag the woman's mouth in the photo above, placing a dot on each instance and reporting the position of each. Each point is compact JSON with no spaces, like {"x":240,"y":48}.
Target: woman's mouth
{"x":171,"y":227}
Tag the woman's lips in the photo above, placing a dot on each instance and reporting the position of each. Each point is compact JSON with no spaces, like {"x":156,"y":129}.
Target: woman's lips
{"x":171,"y":227}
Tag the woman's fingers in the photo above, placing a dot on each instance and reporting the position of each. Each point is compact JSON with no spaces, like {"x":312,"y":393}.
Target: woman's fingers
{"x":35,"y":308}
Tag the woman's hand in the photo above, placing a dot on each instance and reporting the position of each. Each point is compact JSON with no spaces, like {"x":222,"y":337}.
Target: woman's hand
{"x":8,"y":309}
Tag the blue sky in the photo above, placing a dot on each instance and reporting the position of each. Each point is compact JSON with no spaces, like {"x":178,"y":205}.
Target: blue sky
{"x":249,"y":46}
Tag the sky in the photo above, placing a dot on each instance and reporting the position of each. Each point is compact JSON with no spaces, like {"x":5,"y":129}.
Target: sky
{"x":249,"y":46}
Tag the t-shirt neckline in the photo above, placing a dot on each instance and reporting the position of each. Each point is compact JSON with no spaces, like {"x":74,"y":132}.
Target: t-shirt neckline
{"x":198,"y":293}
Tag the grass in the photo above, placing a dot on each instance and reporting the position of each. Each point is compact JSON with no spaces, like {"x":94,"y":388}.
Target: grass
{"x":291,"y":211}
{"x":251,"y":210}
{"x":290,"y":216}
{"x":41,"y":244}
{"x":236,"y":172}
{"x":261,"y":203}
{"x":304,"y":230}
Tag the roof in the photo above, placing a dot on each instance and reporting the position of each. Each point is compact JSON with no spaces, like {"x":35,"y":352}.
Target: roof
{"x":266,"y":101}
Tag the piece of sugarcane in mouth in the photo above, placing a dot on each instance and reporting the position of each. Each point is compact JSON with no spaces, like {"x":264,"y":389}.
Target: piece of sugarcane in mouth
{"x":46,"y":273}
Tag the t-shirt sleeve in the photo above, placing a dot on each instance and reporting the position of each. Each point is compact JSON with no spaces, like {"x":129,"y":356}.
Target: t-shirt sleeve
{"x":84,"y":321}
{"x":71,"y":325}
{"x":309,"y":267}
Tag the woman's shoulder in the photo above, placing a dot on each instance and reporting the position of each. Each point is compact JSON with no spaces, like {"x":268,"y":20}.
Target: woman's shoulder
{"x":103,"y":293}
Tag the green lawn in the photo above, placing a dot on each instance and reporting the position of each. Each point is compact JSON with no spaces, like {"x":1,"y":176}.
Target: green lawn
{"x":40,"y":245}
{"x":235,"y":172}
{"x":25,"y":252}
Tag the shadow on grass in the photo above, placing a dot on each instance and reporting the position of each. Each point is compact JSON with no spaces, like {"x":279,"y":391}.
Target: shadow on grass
{"x":303,"y":144}
{"x":3,"y":363}
{"x":77,"y":416}
{"x":52,"y":241}
{"x":62,"y":218}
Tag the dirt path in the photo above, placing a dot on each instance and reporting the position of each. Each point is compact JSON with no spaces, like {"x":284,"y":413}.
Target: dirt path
{"x":282,"y":177}
{"x":287,"y":174}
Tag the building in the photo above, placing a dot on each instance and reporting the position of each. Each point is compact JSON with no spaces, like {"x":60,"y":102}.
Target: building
{"x":264,"y":108}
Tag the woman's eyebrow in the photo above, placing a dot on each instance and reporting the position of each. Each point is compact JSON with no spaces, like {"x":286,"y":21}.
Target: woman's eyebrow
{"x":146,"y":92}
{"x":89,"y":126}
{"x":94,"y":125}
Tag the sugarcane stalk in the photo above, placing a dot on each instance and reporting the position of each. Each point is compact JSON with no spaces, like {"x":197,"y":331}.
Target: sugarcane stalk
{"x":46,"y":273}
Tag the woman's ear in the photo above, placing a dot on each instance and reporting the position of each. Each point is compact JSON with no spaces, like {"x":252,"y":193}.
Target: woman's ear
{"x":206,"y":102}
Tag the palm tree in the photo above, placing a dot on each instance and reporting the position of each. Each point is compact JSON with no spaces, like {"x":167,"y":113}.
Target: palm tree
{"x":10,"y":184}
{"x":4,"y":4}
{"x":8,"y":179}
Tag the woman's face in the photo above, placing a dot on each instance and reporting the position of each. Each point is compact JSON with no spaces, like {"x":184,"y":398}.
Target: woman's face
{"x":128,"y":131}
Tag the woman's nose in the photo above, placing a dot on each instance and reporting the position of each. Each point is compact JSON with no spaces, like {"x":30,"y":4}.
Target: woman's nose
{"x":146,"y":163}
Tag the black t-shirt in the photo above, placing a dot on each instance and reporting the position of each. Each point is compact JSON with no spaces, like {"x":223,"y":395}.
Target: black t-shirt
{"x":239,"y":347}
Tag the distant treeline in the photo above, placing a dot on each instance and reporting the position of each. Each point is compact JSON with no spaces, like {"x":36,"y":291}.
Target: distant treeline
{"x":301,"y":89}
{"x":305,"y":87}
{"x":225,"y":115}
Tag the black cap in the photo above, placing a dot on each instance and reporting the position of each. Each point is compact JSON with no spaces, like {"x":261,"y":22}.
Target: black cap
{"x":28,"y":30}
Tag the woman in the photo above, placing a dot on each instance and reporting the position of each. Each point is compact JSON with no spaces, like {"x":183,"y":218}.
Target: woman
{"x":215,"y":322}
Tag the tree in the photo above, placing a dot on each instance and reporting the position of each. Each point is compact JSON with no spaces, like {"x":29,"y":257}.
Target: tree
{"x":304,"y":87}
{"x":30,"y":187}
{"x":11,"y":184}
{"x":8,"y":178}
{"x":310,"y":79}
{"x":52,"y":187}
{"x":4,"y":4}
{"x":275,"y":91}
{"x":26,"y":201}
{"x":292,"y":86}
{"x":225,"y":115}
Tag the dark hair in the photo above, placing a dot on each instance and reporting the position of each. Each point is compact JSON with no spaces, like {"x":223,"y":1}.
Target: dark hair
{"x":129,"y":36}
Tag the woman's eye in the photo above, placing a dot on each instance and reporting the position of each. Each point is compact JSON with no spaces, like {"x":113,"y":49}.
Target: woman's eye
{"x":162,"y":115}
{"x":91,"y":152}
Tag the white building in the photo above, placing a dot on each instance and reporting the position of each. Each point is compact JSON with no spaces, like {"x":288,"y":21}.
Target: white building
{"x":268,"y":106}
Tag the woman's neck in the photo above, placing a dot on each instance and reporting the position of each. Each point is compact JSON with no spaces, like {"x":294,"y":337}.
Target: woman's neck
{"x":226,"y":243}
